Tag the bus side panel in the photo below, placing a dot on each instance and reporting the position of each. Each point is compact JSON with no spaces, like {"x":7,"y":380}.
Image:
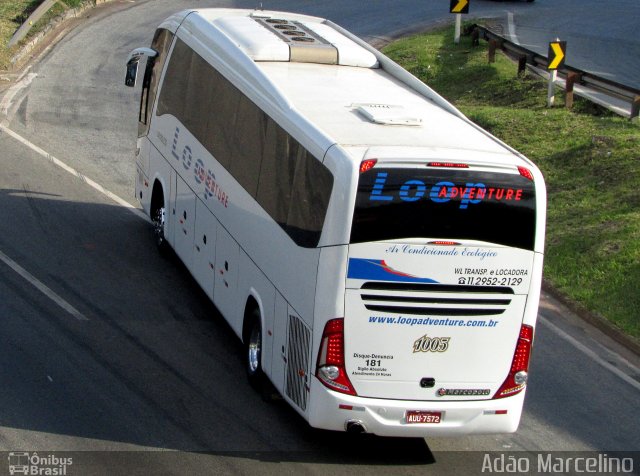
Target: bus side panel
{"x":279,"y":343}
{"x":143,"y":190}
{"x":204,"y":248}
{"x":292,"y":270}
{"x":330,"y":290}
{"x":344,"y":165}
{"x":535,"y":287}
{"x":225,"y":289}
{"x":184,"y":211}
{"x":170,"y":216}
{"x":151,"y":166}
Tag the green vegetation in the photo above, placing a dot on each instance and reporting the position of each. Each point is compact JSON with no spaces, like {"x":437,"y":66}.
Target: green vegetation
{"x":14,"y":13}
{"x":590,"y":159}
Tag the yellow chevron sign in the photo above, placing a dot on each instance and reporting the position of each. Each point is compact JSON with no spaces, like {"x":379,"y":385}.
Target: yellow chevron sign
{"x":556,"y":55}
{"x":459,"y":6}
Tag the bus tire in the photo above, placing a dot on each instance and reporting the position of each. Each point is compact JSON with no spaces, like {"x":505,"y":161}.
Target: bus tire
{"x":158,"y":219}
{"x":253,"y":351}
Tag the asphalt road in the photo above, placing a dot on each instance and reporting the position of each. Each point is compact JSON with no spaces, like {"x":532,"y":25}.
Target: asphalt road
{"x":108,"y":348}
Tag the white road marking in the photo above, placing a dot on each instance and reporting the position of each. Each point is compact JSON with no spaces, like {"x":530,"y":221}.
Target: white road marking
{"x":7,"y":99}
{"x":586,"y":350}
{"x":42,"y":287}
{"x":75,"y":173}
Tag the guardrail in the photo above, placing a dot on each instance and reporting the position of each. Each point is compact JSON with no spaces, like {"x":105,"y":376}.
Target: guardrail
{"x":33,"y":18}
{"x":619,"y":98}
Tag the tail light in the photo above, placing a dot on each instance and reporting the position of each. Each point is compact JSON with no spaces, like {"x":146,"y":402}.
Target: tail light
{"x":526,"y":173}
{"x":330,"y":370}
{"x":368,"y":164}
{"x":450,"y":165}
{"x":517,"y":378}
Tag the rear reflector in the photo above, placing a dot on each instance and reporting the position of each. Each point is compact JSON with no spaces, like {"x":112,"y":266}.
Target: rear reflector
{"x":495,"y":412}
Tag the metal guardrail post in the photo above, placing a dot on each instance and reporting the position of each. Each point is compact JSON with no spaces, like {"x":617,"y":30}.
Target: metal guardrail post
{"x":493,"y":44}
{"x":522,"y":65}
{"x":475,"y":37}
{"x":572,"y":78}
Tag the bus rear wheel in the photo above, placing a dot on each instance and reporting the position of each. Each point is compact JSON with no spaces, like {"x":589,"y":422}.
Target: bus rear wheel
{"x":253,"y":364}
{"x":254,"y":352}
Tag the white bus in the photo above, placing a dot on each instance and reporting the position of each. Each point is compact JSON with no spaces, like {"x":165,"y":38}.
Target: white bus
{"x":379,"y":255}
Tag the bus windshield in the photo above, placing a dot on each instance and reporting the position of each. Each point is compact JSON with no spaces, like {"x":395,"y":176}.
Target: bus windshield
{"x":445,"y":203}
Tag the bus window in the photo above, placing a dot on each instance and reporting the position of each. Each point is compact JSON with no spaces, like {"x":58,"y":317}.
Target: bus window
{"x":395,"y":203}
{"x":161,"y":42}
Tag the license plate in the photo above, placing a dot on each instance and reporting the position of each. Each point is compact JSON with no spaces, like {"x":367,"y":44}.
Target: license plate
{"x":417,"y":416}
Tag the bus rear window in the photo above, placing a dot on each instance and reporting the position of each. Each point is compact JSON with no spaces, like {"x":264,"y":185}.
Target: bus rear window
{"x":400,"y":203}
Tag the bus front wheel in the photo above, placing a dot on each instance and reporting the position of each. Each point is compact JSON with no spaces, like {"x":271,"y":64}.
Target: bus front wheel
{"x":158,"y":220}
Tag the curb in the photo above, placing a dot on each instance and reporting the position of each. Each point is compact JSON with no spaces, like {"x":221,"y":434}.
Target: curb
{"x":594,"y":319}
{"x":70,"y":14}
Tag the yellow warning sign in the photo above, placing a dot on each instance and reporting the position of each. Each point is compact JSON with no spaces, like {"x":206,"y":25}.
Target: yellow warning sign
{"x":459,"y":6}
{"x":556,"y":55}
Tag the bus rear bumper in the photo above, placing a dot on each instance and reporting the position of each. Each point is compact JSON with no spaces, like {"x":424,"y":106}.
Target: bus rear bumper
{"x":334,"y":411}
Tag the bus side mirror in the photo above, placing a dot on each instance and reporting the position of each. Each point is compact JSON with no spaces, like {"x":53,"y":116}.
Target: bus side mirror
{"x":132,"y":72}
{"x":132,"y":64}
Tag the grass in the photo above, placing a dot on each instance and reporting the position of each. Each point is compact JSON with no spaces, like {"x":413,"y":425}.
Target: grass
{"x":590,"y":159}
{"x":13,"y":13}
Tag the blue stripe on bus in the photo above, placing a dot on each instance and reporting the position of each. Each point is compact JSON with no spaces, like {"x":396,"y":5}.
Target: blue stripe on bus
{"x":378,"y":270}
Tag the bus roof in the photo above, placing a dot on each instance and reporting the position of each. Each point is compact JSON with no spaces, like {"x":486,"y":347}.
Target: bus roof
{"x":305,"y":69}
